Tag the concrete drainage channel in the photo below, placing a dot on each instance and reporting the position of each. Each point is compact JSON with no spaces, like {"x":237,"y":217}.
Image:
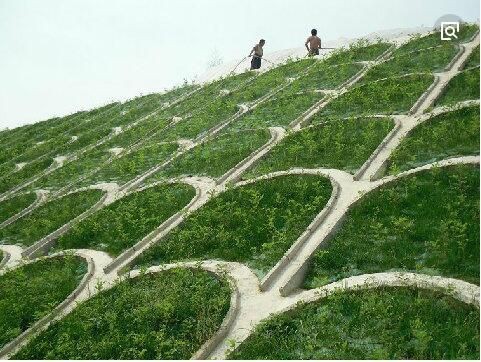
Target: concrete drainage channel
{"x":252,"y":300}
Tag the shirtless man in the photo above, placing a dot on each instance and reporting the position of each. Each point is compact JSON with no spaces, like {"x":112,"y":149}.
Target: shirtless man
{"x":314,"y":43}
{"x":258,"y":53}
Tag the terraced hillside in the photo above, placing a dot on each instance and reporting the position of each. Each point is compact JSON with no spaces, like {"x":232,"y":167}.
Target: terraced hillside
{"x":323,"y":208}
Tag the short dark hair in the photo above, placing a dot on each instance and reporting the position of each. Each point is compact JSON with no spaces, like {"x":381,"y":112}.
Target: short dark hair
{"x":314,"y":32}
{"x":262,"y":41}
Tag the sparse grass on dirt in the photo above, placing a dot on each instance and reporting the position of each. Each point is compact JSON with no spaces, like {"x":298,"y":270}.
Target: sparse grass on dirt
{"x":422,"y":61}
{"x":357,"y":52}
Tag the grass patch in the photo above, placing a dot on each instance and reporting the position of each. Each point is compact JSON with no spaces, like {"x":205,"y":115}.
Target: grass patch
{"x":464,"y":86}
{"x":201,"y":122}
{"x":32,"y":291}
{"x":125,"y":222}
{"x":388,"y":96}
{"x":417,"y":41}
{"x":48,"y":218}
{"x":128,"y":166}
{"x":357,"y":52}
{"x":473,"y":60}
{"x":271,"y":79}
{"x":343,"y":144}
{"x":168,"y":315}
{"x":30,"y":170}
{"x":421,"y":61}
{"x":280,"y":110}
{"x":71,"y":171}
{"x":427,"y":223}
{"x":253,"y":224}
{"x":435,"y":140}
{"x":323,"y":76}
{"x":384,"y":323}
{"x":14,"y":205}
{"x":217,"y":156}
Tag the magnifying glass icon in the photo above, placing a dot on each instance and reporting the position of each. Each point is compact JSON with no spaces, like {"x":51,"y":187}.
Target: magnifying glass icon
{"x":450,"y":31}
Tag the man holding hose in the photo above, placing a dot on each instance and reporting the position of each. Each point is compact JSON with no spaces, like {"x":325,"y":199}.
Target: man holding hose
{"x":256,"y":53}
{"x":314,"y":43}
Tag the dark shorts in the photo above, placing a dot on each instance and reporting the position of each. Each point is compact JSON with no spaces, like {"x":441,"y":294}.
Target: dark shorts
{"x":314,"y":52}
{"x":255,"y":63}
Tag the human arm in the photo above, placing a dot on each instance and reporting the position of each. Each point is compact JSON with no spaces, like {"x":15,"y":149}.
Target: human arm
{"x":307,"y":42}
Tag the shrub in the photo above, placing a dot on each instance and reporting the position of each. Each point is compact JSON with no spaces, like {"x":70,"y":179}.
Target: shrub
{"x":14,"y":205}
{"x":464,"y":86}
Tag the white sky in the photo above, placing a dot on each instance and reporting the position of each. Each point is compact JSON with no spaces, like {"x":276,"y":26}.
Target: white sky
{"x":60,"y":56}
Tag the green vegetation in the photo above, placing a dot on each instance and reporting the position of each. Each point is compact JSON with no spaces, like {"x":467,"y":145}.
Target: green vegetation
{"x":388,"y":96}
{"x":48,"y":218}
{"x":427,"y":222}
{"x":211,"y":115}
{"x":267,"y":81}
{"x":217,"y":156}
{"x":253,"y":224}
{"x":28,"y":171}
{"x":385,"y":323}
{"x":71,"y":171}
{"x":421,"y":61}
{"x":32,"y":291}
{"x":357,"y":52}
{"x":125,"y":222}
{"x":464,"y":86}
{"x":473,"y":60}
{"x":323,"y":76}
{"x":167,"y":315}
{"x":128,"y":166}
{"x":14,"y":205}
{"x":343,"y":144}
{"x":434,"y":39}
{"x":280,"y":110}
{"x":435,"y":140}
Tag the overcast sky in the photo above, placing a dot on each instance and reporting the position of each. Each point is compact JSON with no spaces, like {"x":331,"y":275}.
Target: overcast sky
{"x":60,"y":56}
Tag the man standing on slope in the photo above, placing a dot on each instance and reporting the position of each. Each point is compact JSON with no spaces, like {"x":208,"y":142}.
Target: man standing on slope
{"x":258,"y":53}
{"x":314,"y":43}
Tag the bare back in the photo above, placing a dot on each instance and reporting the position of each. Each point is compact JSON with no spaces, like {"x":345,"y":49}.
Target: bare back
{"x":314,"y":42}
